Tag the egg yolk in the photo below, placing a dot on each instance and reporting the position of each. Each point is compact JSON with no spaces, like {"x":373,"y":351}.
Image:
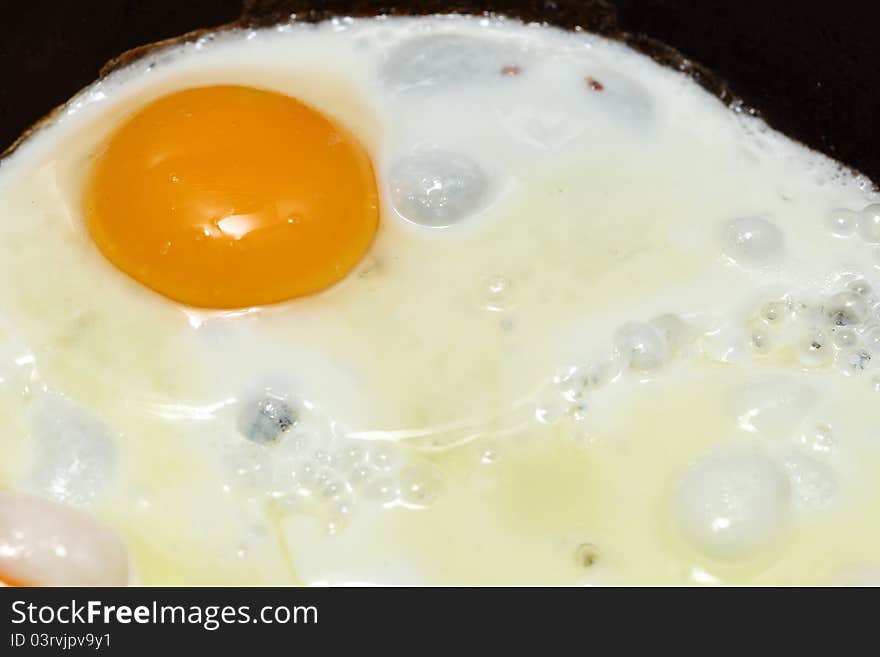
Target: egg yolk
{"x":230,"y":197}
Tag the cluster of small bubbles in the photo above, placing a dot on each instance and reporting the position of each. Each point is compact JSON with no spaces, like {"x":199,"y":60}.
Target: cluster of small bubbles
{"x":576,"y":381}
{"x":306,"y":464}
{"x":566,"y":398}
{"x":843,"y":222}
{"x":642,"y":348}
{"x":842,"y":330}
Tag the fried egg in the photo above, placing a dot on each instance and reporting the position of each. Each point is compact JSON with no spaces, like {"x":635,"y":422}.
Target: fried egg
{"x":434,"y":300}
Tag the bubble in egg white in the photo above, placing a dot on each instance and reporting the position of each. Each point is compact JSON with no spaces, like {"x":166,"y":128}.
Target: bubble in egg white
{"x":437,"y":188}
{"x":846,"y":309}
{"x":761,"y":342}
{"x":674,"y":330}
{"x":775,"y":312}
{"x":733,"y":503}
{"x":640,"y":346}
{"x":330,"y":486}
{"x":752,"y":241}
{"x":844,"y":338}
{"x":862,"y":288}
{"x":420,"y":485}
{"x":264,"y":420}
{"x":351,"y":454}
{"x":382,"y":490}
{"x":76,"y":452}
{"x":444,"y":59}
{"x":384,"y":456}
{"x":842,"y":222}
{"x":869,"y":224}
{"x":871,"y":338}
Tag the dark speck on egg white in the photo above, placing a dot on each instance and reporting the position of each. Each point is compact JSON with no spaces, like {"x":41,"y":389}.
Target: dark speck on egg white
{"x":594,"y":84}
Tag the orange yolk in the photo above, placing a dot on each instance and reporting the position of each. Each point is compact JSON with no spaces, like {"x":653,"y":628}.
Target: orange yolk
{"x":229,"y":197}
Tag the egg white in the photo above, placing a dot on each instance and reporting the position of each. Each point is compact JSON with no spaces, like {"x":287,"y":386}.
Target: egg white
{"x":604,"y":207}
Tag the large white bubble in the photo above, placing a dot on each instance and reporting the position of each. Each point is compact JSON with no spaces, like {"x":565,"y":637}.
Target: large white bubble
{"x":732,"y":503}
{"x":434,"y":187}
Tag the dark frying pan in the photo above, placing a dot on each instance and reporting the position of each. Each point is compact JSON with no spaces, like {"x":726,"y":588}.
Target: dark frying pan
{"x":811,"y":69}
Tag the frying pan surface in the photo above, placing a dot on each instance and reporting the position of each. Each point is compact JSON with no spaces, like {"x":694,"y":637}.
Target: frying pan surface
{"x":810,"y":69}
